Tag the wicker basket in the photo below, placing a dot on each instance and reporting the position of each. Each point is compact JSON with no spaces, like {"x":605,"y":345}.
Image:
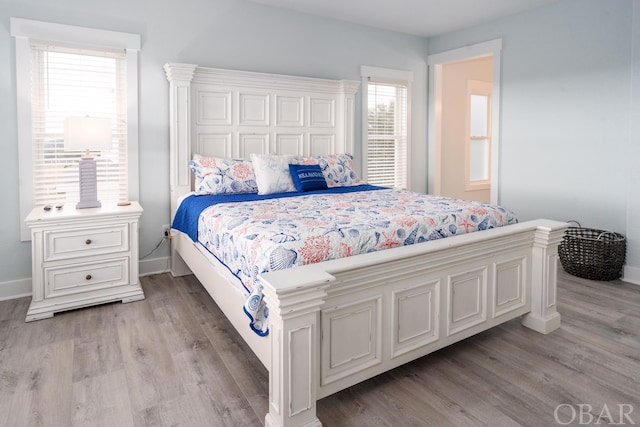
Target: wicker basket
{"x":592,"y":254}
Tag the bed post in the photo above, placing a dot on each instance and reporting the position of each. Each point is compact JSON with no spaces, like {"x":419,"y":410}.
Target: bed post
{"x":294,"y":331}
{"x":348,"y":90}
{"x":544,"y":317}
{"x":179,"y":76}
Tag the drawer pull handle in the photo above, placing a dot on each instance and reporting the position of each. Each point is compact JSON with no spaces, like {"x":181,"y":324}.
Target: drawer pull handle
{"x":88,"y":277}
{"x":88,"y":241}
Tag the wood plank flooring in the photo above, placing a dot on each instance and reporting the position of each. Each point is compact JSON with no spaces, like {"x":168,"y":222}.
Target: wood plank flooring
{"x":174,"y":360}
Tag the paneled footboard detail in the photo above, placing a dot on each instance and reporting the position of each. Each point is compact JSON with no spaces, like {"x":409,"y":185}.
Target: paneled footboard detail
{"x":351,"y":338}
{"x":381,"y":316}
{"x":382,"y":310}
{"x":466,"y":299}
{"x":414,"y":317}
{"x":509,"y":291}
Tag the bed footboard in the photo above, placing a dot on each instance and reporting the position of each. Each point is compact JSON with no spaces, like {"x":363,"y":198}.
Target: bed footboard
{"x":341,"y":322}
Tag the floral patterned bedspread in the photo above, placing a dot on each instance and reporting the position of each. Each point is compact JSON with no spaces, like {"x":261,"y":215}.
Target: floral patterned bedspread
{"x":259,"y":236}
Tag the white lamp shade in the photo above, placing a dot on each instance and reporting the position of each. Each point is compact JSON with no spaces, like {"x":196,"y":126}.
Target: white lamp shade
{"x":87,"y":133}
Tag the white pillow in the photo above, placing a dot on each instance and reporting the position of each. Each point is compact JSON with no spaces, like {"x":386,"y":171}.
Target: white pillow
{"x":272,"y":173}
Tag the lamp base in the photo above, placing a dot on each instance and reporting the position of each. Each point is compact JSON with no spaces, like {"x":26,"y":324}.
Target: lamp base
{"x":88,"y":184}
{"x":88,"y":204}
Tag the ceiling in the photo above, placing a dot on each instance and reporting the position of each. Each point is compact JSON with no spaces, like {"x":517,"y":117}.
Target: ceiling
{"x":424,"y":18}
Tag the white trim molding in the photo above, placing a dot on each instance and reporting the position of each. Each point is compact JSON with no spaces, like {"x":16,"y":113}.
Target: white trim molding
{"x":79,"y":36}
{"x":14,"y":289}
{"x":478,"y":50}
{"x":631,"y":275}
{"x":155,"y":266}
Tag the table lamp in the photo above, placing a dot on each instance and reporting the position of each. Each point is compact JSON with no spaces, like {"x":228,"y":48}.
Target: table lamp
{"x":87,"y":133}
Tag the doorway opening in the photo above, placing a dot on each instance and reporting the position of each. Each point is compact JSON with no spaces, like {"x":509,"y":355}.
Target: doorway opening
{"x":464,"y":112}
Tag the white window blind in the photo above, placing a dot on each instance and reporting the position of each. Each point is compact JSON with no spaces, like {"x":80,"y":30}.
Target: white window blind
{"x":387,"y":142}
{"x":76,"y":82}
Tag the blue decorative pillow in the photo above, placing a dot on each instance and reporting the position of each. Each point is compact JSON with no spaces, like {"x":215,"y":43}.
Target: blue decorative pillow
{"x":338,"y":169}
{"x":308,"y":177}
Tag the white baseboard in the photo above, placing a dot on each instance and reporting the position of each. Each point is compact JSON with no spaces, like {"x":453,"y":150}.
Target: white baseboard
{"x":631,"y":275}
{"x":155,"y":266}
{"x":22,"y":288}
{"x":15,"y":289}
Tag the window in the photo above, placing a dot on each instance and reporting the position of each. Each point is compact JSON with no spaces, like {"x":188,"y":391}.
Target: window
{"x":74,"y":82}
{"x":386,"y":104}
{"x":478,"y":152}
{"x":65,"y":71}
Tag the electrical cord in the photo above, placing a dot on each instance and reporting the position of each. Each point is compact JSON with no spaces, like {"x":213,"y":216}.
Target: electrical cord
{"x":156,"y":247}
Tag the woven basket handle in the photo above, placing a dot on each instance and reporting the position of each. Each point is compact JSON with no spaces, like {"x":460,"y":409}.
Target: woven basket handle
{"x":615,"y":235}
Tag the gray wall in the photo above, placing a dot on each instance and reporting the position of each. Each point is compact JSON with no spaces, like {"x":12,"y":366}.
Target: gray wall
{"x":233,"y":34}
{"x":569,"y":144}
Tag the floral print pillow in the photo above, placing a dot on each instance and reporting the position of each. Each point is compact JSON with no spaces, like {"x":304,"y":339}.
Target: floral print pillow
{"x":223,"y":176}
{"x":338,"y":169}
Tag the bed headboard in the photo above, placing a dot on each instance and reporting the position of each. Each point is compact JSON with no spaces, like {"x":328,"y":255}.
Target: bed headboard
{"x":228,"y":113}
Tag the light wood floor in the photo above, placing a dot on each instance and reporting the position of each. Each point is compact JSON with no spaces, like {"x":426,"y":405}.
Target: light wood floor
{"x":173,"y":359}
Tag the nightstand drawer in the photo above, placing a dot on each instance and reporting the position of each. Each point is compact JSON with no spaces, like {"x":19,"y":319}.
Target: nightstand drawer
{"x":66,"y":244}
{"x":72,"y":279}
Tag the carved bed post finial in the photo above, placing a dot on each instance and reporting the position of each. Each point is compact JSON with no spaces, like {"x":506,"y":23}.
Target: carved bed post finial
{"x":179,"y":72}
{"x":179,"y":77}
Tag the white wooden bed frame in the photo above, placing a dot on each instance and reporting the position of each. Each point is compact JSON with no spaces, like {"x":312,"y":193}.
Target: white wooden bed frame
{"x":339,"y":322}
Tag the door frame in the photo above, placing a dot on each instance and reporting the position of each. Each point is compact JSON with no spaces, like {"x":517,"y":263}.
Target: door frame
{"x":435,"y":62}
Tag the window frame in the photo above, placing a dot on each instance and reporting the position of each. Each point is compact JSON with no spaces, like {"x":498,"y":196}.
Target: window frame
{"x":476,"y":87}
{"x":27,"y":31}
{"x":392,"y":76}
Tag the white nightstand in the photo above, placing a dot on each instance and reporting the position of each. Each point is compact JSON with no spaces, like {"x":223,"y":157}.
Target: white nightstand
{"x":83,"y":257}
